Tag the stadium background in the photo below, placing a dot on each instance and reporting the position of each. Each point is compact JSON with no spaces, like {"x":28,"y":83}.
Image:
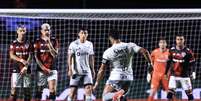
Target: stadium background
{"x":143,"y":32}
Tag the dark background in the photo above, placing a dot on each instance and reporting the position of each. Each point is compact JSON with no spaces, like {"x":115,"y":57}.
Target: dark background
{"x":100,"y":4}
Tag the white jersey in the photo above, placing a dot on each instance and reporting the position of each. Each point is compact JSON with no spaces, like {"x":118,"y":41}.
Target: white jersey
{"x":120,"y":56}
{"x":81,"y":52}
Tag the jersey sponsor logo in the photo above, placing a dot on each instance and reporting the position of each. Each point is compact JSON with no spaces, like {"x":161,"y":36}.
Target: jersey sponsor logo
{"x":183,"y":54}
{"x":43,"y":51}
{"x":21,"y":53}
{"x":176,"y":60}
{"x":161,"y":60}
{"x":120,"y":51}
{"x":81,"y":54}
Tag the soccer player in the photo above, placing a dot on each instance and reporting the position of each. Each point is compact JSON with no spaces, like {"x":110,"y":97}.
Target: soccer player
{"x":159,"y":57}
{"x":20,"y":53}
{"x":81,"y":65}
{"x":181,"y":64}
{"x":46,"y":50}
{"x":120,"y":56}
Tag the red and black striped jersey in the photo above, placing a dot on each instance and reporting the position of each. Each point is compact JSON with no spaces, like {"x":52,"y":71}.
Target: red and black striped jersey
{"x":182,"y":60}
{"x":21,"y":50}
{"x":43,"y":52}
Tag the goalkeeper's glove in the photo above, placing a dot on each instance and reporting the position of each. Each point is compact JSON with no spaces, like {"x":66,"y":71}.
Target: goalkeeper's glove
{"x":148,"y":77}
{"x":150,"y":68}
{"x":193,"y":75}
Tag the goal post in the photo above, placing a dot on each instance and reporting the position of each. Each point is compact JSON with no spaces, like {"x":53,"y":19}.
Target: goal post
{"x":141,"y":26}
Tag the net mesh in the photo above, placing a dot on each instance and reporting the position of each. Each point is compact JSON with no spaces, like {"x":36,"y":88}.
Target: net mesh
{"x":143,"y":29}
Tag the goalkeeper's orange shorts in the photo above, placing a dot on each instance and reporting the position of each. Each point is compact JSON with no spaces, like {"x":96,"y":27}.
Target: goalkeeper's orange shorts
{"x":157,"y":80}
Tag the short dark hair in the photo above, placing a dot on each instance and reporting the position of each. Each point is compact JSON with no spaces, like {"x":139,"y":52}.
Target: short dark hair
{"x":114,"y":34}
{"x":179,"y":35}
{"x":162,"y":38}
{"x":21,"y":26}
{"x":83,"y":28}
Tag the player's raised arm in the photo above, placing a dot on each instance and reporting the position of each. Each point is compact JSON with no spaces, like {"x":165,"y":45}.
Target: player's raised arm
{"x":146,"y":55}
{"x":45,"y":29}
{"x":53,"y":51}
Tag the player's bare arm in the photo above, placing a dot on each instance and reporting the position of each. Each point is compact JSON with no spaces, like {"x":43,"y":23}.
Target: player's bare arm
{"x":91,"y":62}
{"x":14,"y":57}
{"x":53,"y":51}
{"x":146,"y":55}
{"x":70,"y":62}
{"x":24,"y":69}
{"x":100,"y":75}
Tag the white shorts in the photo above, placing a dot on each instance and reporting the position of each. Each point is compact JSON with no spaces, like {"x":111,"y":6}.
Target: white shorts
{"x":43,"y":78}
{"x":76,"y":79}
{"x":18,"y":80}
{"x":185,"y":82}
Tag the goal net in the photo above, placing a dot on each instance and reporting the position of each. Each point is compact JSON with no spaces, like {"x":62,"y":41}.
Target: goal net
{"x":144,"y":27}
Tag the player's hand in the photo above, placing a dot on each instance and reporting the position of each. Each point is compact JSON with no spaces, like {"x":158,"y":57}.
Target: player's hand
{"x":148,"y":77}
{"x":46,"y":38}
{"x":23,"y":71}
{"x":46,"y":71}
{"x":193,"y":75}
{"x":150,"y":67}
{"x":95,"y":86}
{"x":166,"y":77}
{"x":70,"y":73}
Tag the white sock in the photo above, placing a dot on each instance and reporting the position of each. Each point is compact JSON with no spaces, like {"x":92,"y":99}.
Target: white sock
{"x":69,"y":98}
{"x":88,"y":98}
{"x":108,"y":96}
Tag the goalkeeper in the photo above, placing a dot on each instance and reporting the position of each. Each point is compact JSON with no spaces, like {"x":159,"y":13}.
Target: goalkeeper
{"x":159,"y":58}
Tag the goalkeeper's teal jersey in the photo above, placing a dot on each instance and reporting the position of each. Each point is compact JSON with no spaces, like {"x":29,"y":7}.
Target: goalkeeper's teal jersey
{"x":120,"y":56}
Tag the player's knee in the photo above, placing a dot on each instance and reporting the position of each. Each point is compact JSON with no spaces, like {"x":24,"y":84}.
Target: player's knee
{"x":189,"y":94}
{"x":170,"y":94}
{"x":52,"y":96}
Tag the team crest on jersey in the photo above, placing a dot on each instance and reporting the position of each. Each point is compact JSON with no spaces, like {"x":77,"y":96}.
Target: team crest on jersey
{"x":26,"y":46}
{"x":183,"y":54}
